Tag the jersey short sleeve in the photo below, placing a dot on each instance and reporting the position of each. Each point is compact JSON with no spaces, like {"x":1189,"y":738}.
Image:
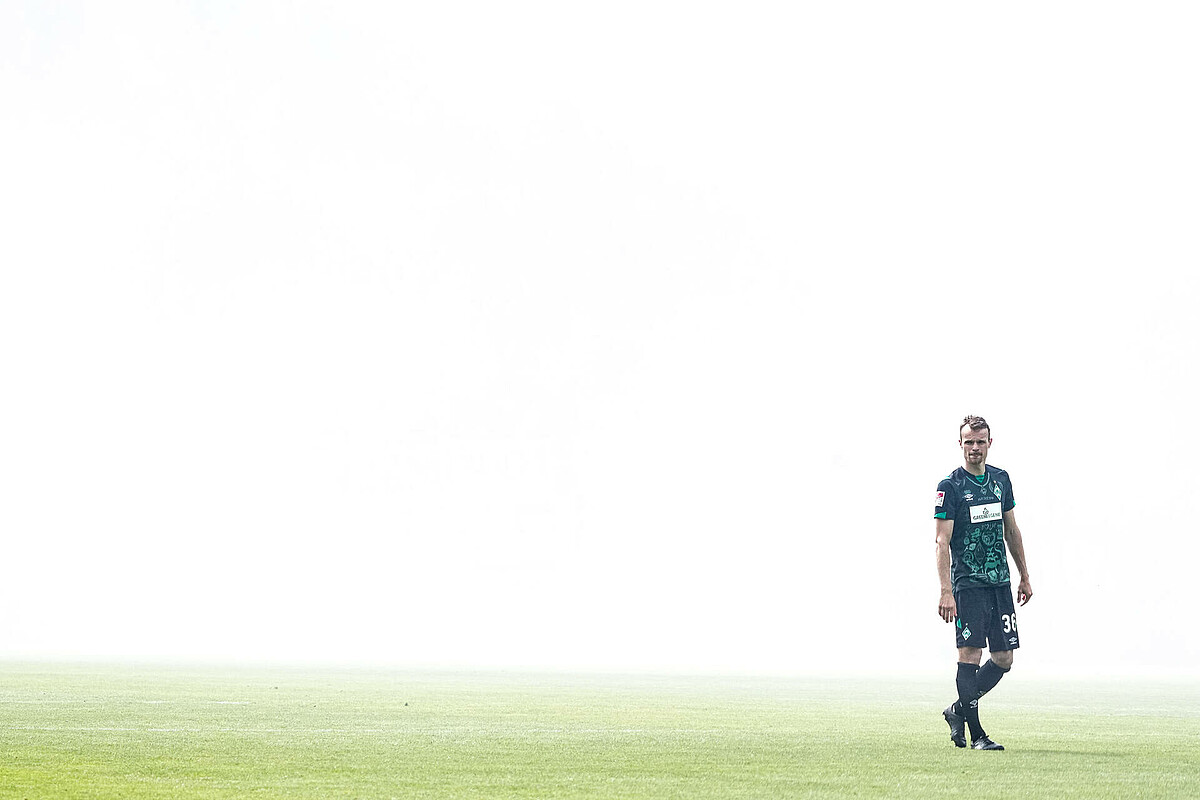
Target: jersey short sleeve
{"x":1008,"y":502}
{"x":945,"y":504}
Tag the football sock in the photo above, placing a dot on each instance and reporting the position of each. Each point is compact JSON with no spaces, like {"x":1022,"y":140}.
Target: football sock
{"x":989,"y":675}
{"x":968,"y":697}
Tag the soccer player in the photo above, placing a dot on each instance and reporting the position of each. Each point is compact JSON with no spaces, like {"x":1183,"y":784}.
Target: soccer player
{"x":974,"y":519}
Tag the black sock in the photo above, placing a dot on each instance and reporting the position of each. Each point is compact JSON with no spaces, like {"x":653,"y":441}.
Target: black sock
{"x":968,"y":697}
{"x":988,"y":676}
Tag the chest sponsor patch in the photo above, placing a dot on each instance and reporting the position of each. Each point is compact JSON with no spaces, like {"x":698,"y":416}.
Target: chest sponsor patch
{"x":989,"y":512}
{"x":941,"y":498}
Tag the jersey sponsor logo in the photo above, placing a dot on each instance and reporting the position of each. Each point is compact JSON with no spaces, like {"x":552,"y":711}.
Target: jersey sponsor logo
{"x":988,"y":512}
{"x":941,"y":498}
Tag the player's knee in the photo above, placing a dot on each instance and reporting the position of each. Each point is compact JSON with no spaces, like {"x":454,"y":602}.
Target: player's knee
{"x":1003,"y":659}
{"x":970,"y":655}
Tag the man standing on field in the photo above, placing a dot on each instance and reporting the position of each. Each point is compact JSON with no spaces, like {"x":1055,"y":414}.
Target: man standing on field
{"x":974,"y":519}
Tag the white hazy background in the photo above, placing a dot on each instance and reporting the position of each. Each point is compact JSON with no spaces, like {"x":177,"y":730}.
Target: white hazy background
{"x":622,"y":335}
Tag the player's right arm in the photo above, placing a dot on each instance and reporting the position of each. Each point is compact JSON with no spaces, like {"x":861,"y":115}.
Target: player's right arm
{"x":946,"y":605}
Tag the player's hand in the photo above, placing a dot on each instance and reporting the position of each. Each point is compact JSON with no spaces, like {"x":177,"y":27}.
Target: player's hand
{"x":1024,"y":591}
{"x":947,"y":608}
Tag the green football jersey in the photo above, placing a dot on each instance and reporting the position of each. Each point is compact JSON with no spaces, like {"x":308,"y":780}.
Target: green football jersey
{"x":978,"y":556}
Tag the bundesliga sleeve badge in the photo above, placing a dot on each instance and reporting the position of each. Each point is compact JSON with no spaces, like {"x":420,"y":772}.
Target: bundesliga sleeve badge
{"x":941,"y":497}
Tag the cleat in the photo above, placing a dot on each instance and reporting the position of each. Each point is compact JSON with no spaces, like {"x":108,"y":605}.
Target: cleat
{"x":957,"y":734}
{"x":984,"y":743}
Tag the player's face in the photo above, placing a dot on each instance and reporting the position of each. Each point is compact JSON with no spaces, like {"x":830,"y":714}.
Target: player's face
{"x":975,"y":446}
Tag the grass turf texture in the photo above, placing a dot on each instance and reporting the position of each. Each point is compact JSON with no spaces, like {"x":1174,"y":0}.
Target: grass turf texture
{"x":158,"y":732}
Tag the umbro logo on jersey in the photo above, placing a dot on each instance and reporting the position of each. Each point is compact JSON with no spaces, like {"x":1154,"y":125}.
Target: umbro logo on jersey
{"x":986,"y":513}
{"x":968,"y":496}
{"x":1012,"y":640}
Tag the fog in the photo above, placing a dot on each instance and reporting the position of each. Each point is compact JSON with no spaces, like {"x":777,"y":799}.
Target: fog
{"x":632,"y":336}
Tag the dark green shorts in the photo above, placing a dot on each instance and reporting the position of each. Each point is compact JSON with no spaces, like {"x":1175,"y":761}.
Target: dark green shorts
{"x":986,"y":615}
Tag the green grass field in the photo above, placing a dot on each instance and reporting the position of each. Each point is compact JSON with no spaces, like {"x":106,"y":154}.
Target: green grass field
{"x":174,"y":732}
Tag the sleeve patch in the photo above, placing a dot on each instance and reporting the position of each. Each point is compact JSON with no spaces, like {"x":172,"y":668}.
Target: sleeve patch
{"x":941,"y":498}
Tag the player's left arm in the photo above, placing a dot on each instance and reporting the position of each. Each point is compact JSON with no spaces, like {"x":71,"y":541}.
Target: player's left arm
{"x":1016,"y":548}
